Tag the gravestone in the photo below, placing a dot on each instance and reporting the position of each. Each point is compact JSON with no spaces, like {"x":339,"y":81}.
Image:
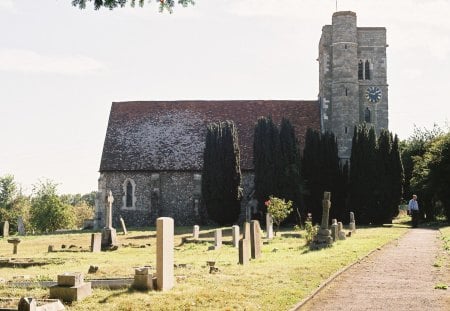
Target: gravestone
{"x":196,"y":232}
{"x":246,"y":230}
{"x":20,"y":226}
{"x":109,"y":235}
{"x":27,"y":304}
{"x":244,"y":251}
{"x":51,"y":248}
{"x":124,"y":228}
{"x":142,"y":279}
{"x":269,"y":226}
{"x":5,"y":229}
{"x":217,"y":238}
{"x":255,"y":239}
{"x":323,"y":237}
{"x":71,"y":287}
{"x":31,"y":304}
{"x":341,"y":233}
{"x":334,"y":229}
{"x":96,"y":242}
{"x":164,"y":253}
{"x":235,"y":235}
{"x":352,"y":224}
{"x":15,"y":242}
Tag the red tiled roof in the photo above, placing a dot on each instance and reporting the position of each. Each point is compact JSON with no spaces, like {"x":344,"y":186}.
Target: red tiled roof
{"x":170,"y":135}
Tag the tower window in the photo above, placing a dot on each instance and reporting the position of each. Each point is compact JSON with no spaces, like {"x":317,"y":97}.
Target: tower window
{"x":346,"y":91}
{"x":367,"y":117}
{"x":367,"y":70}
{"x":129,"y":188}
{"x":345,"y":130}
{"x":345,"y":46}
{"x":360,"y":70}
{"x":129,"y":194}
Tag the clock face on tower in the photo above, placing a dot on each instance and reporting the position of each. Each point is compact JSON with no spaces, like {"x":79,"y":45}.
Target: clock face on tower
{"x":373,"y":94}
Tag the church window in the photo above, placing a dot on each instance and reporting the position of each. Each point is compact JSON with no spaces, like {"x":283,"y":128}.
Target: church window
{"x":367,"y":117}
{"x":346,"y":91}
{"x":346,"y":130}
{"x":367,"y":70}
{"x":129,"y":188}
{"x":360,"y":70}
{"x":345,"y":46}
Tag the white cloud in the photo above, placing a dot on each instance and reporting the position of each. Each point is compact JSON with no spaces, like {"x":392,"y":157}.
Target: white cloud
{"x":6,"y":5}
{"x":15,"y":60}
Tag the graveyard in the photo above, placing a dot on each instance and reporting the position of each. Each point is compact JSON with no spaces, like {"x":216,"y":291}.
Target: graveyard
{"x":286,"y":272}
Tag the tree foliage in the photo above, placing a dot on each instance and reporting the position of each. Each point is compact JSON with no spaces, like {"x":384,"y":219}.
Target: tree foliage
{"x":48,"y":213}
{"x":279,"y":209}
{"x":113,"y":4}
{"x":221,"y":178}
{"x":12,"y":202}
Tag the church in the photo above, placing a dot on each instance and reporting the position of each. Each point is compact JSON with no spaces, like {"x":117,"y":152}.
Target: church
{"x":153,"y":150}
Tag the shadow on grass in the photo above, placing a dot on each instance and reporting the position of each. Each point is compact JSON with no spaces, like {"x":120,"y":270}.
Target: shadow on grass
{"x":118,"y":294}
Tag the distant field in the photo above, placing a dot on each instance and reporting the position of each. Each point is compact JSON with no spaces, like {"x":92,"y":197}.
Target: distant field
{"x":286,"y":273}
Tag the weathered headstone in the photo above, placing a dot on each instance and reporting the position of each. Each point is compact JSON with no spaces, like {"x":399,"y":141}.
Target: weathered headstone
{"x":235,"y":235}
{"x":27,"y":304}
{"x":217,"y":238}
{"x":20,"y":226}
{"x":143,"y":280}
{"x":164,"y":253}
{"x":352,"y":224}
{"x":334,"y":229}
{"x":246,"y":230}
{"x":255,"y":239}
{"x":124,"y":228}
{"x":71,"y":287}
{"x":5,"y":229}
{"x":96,"y":242}
{"x":32,"y":304}
{"x":269,"y":226}
{"x":196,"y":232}
{"x":323,"y":238}
{"x":109,"y":235}
{"x":244,"y":251}
{"x":51,"y":248}
{"x":341,"y":233}
{"x":15,"y":242}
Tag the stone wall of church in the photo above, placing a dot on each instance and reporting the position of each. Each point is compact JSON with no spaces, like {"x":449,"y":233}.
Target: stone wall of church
{"x":173,"y":194}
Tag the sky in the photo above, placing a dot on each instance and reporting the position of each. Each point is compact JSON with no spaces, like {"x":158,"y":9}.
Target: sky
{"x":62,"y":67}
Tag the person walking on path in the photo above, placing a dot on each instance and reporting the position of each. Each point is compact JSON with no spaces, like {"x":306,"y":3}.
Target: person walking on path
{"x":413,"y":209}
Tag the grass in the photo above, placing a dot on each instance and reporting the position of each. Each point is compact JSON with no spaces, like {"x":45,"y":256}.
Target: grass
{"x":277,"y":281}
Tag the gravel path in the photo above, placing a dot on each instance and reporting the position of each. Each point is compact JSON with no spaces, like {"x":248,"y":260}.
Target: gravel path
{"x":400,"y":276}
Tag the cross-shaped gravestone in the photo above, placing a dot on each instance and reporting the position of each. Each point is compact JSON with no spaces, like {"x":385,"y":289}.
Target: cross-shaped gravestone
{"x":109,"y":200}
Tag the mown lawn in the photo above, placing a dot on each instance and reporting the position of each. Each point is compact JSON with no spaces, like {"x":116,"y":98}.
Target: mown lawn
{"x":286,"y":273}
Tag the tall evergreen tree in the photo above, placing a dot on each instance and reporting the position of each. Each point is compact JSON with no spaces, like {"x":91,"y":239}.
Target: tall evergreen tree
{"x":221,"y":178}
{"x":396,"y":178}
{"x":290,"y":178}
{"x":382,"y":213}
{"x":266,"y":161}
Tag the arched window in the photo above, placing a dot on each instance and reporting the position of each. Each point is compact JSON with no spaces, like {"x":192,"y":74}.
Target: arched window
{"x":367,"y":115}
{"x":129,"y":194}
{"x":360,"y":70}
{"x":367,"y":70}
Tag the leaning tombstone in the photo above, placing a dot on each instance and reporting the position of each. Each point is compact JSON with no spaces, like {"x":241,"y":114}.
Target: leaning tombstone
{"x":71,"y":287}
{"x":5,"y":228}
{"x":269,"y":226}
{"x":217,"y":239}
{"x":20,"y":226}
{"x":164,"y":253}
{"x":235,"y":235}
{"x":352,"y":224}
{"x":244,"y":251}
{"x":255,"y":239}
{"x":124,"y":228}
{"x":96,"y":242}
{"x":109,"y":235}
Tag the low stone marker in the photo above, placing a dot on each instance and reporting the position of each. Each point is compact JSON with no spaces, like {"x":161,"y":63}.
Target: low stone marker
{"x":244,"y":251}
{"x":334,"y":229}
{"x":341,"y":233}
{"x":15,"y":242}
{"x":96,"y":242}
{"x":71,"y":287}
{"x":269,"y":226}
{"x":255,"y":239}
{"x":30,"y":304}
{"x":51,"y":248}
{"x":124,"y":228}
{"x":164,"y":253}
{"x":196,"y":232}
{"x":20,"y":226}
{"x":352,"y":224}
{"x":142,"y":279}
{"x":5,"y":229}
{"x":217,"y":239}
{"x":235,"y":235}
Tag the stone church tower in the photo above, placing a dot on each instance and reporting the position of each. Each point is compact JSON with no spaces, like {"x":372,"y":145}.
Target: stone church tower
{"x":352,"y":78}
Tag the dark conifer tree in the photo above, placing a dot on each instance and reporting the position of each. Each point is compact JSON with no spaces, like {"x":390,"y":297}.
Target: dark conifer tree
{"x":221,"y":178}
{"x":396,"y":178}
{"x":381,"y":212}
{"x":266,"y":161}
